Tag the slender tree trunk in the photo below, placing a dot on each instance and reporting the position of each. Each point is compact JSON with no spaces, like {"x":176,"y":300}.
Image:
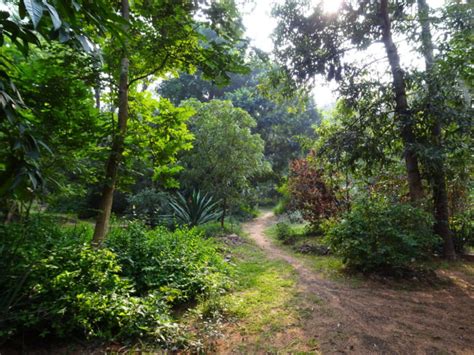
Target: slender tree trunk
{"x":105,"y":208}
{"x":97,"y":96}
{"x":438,"y":174}
{"x":224,"y":208}
{"x":401,"y":108}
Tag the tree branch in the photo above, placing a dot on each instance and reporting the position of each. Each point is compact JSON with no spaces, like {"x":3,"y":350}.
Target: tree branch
{"x":158,"y":68}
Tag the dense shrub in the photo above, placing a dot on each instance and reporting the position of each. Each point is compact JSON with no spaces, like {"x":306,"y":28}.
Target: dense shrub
{"x":180,"y":264}
{"x":309,"y":194}
{"x":462,"y":226}
{"x":52,"y":282}
{"x":280,"y":207}
{"x":285,"y":233}
{"x":377,"y":236}
{"x":244,"y":212}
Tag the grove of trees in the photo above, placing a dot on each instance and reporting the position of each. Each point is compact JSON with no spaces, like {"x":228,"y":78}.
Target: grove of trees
{"x":134,"y":133}
{"x":384,"y":114}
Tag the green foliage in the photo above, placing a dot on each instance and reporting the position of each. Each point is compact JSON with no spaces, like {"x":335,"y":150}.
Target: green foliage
{"x":20,"y":169}
{"x":245,"y":211}
{"x":280,"y":207}
{"x":195,"y":210}
{"x":157,"y":133}
{"x":462,"y":226}
{"x":378,"y":235}
{"x":285,"y":233}
{"x":284,"y":201}
{"x":54,"y":283}
{"x":181,"y":264}
{"x":282,"y":126}
{"x":226,"y":154}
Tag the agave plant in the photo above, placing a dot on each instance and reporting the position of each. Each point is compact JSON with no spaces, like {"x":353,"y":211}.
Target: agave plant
{"x":195,"y":210}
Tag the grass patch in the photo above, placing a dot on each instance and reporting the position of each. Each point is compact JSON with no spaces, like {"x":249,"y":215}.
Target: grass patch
{"x":261,"y":308}
{"x":263,"y":299}
{"x":263,"y":289}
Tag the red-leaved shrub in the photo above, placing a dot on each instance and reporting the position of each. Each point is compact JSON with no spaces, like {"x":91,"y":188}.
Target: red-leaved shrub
{"x":309,"y":193}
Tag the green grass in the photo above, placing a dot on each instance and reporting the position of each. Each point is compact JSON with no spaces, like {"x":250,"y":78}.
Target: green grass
{"x":263,"y":298}
{"x":263,"y":304}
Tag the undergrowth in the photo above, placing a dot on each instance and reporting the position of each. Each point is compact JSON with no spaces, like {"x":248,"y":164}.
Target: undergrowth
{"x":55,"y":285}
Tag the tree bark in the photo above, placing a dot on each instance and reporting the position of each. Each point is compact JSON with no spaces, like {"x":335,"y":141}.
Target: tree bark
{"x":401,"y":108}
{"x":97,"y":96}
{"x":115,"y":157}
{"x":224,"y":207}
{"x":438,"y":174}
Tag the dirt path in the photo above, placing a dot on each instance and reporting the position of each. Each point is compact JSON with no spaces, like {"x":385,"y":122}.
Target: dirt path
{"x":372,"y":318}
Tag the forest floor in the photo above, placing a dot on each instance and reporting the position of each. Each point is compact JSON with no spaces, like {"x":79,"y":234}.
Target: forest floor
{"x":289,"y":306}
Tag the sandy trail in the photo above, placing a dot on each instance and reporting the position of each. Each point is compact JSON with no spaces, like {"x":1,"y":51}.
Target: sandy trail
{"x":375,"y":319}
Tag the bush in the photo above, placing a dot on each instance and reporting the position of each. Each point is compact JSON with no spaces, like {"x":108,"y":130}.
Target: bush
{"x":53,"y":282}
{"x":280,"y":208}
{"x":309,"y":194}
{"x":285,"y":233}
{"x":244,"y":212}
{"x":376,"y":236}
{"x":180,"y":264}
{"x":462,"y":226}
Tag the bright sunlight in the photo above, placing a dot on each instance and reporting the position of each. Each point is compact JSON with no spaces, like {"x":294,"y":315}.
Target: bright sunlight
{"x":331,"y":6}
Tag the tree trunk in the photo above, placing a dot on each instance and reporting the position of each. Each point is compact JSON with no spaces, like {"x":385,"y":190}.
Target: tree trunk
{"x":401,"y":108}
{"x":438,"y":175}
{"x":103,"y":218}
{"x":97,"y":96}
{"x":224,"y":207}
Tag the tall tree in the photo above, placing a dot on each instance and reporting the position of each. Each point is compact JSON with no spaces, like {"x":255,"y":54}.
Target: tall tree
{"x":309,"y":42}
{"x":226,"y":154}
{"x":111,"y":171}
{"x":401,"y":105}
{"x":24,"y":24}
{"x":163,"y":38}
{"x":283,"y":126}
{"x":438,"y":174}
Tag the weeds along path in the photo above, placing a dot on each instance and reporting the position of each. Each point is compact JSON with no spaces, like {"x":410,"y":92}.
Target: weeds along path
{"x":373,"y":318}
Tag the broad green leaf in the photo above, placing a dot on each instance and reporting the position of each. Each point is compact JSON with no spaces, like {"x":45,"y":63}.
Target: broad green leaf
{"x":54,"y":15}
{"x":35,"y":11}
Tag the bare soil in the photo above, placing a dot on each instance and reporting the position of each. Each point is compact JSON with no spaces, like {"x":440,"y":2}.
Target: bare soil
{"x":372,"y":317}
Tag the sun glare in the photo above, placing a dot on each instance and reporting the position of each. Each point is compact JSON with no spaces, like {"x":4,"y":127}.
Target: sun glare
{"x":331,"y":6}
